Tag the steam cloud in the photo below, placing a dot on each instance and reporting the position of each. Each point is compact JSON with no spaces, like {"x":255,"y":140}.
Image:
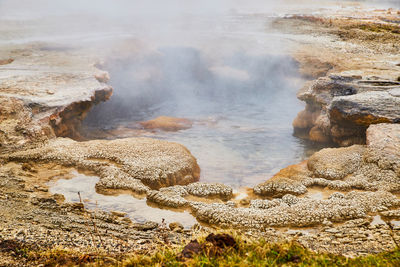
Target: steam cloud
{"x":192,"y":50}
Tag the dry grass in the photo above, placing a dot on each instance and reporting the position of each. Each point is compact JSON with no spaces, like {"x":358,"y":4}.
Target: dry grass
{"x":261,"y":253}
{"x":248,"y":252}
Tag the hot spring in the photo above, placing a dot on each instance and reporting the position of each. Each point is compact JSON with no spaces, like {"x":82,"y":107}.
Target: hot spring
{"x":238,"y":91}
{"x":234,"y":81}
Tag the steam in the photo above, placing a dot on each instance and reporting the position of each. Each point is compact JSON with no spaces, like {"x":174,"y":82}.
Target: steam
{"x":80,"y":21}
{"x":176,"y":50}
{"x":179,"y":51}
{"x":184,"y":81}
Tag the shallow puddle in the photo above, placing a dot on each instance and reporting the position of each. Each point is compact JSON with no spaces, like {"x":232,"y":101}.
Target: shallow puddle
{"x":319,"y":193}
{"x":137,"y":209}
{"x":377,"y":220}
{"x":395,"y":224}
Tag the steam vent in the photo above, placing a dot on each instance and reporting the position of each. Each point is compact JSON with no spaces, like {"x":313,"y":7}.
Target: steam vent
{"x":199,"y":133}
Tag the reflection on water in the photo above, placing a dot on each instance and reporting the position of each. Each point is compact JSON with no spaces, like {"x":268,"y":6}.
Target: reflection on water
{"x":136,"y":209}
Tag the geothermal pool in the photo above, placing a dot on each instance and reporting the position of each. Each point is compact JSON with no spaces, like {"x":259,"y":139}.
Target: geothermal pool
{"x":235,"y":82}
{"x":241,"y":107}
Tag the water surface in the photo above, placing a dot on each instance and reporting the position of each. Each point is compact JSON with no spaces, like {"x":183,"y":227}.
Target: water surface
{"x":241,"y":103}
{"x":137,"y":209}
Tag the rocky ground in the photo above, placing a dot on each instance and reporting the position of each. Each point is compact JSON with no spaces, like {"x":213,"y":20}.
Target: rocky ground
{"x":45,"y":93}
{"x":342,"y":200}
{"x":356,"y":62}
